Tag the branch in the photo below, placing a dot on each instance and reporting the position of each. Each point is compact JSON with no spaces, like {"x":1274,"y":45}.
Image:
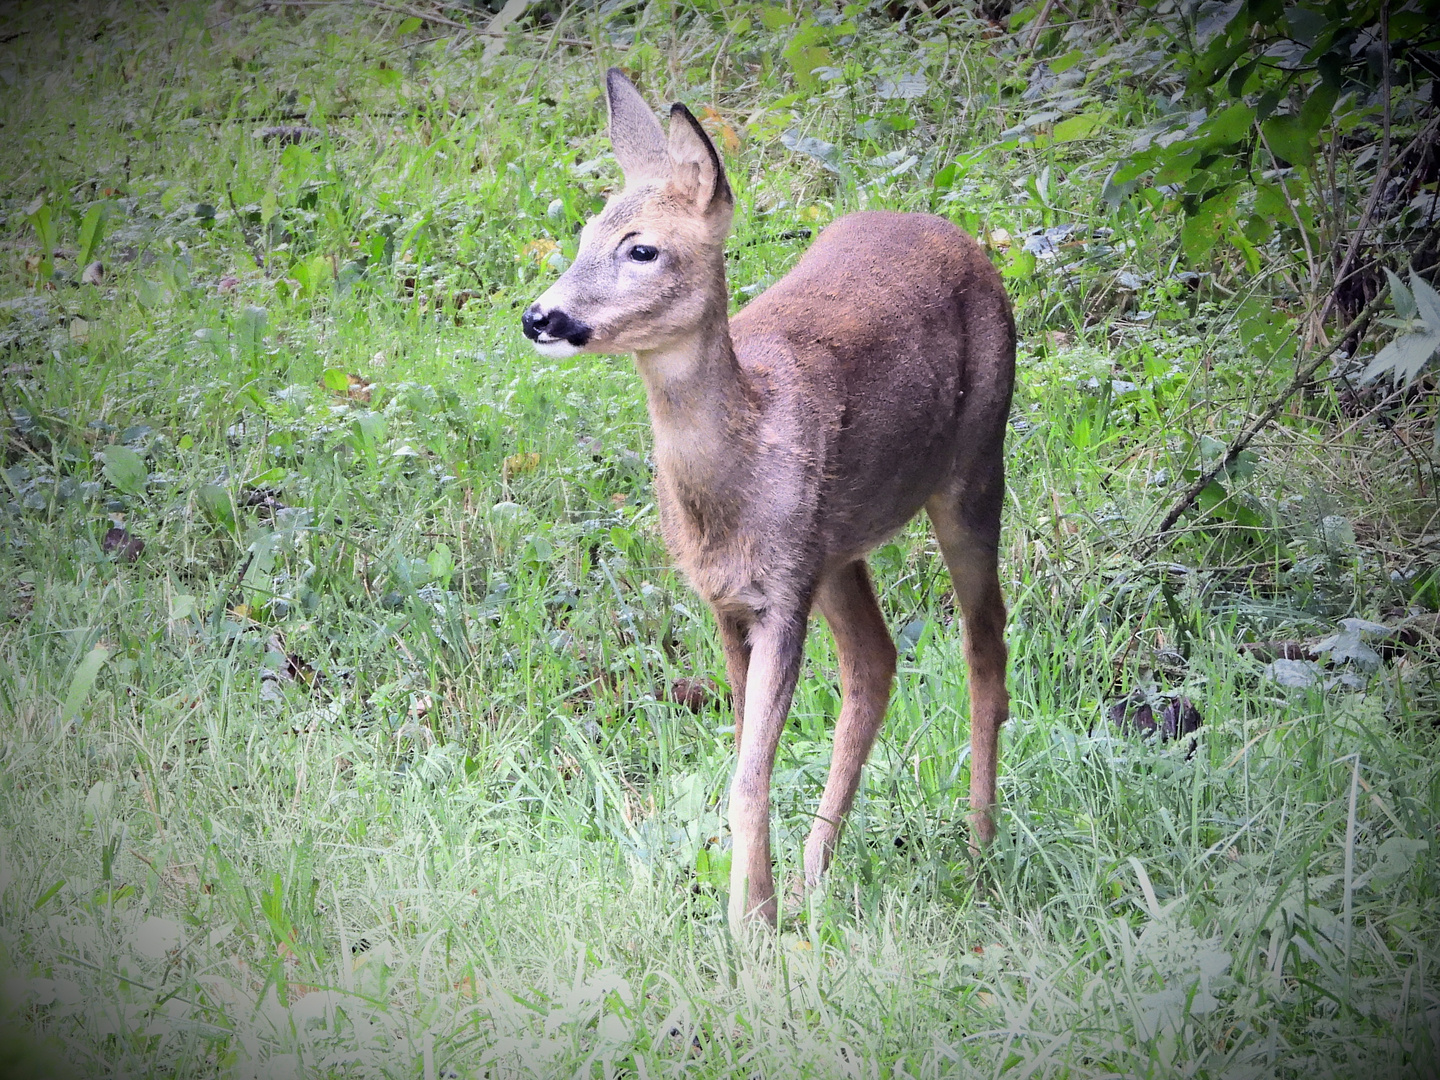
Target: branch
{"x":1038,"y":26}
{"x":1302,"y":376}
{"x":239,"y":220}
{"x":1382,"y":174}
{"x":427,"y":17}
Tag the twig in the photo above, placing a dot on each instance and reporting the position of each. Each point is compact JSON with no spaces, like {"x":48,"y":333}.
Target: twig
{"x":544,"y":52}
{"x":219,"y":613}
{"x":1302,"y":377}
{"x":1039,"y":25}
{"x":775,"y":238}
{"x":495,"y":29}
{"x":1382,"y":175}
{"x":245,"y":233}
{"x":439,"y":19}
{"x":1388,"y":424}
{"x":1299,"y":224}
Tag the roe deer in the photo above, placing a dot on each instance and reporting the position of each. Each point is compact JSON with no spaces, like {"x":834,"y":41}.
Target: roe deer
{"x":872,"y":380}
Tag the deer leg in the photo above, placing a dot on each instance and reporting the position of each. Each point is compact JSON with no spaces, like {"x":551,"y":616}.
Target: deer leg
{"x":735,"y":641}
{"x":775,"y":649}
{"x":867,"y":665}
{"x":969,"y":535}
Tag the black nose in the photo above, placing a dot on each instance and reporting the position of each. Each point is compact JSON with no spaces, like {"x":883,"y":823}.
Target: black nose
{"x":554,"y":324}
{"x":534,"y":321}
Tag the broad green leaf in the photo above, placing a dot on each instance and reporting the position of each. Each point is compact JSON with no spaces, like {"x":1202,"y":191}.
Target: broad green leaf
{"x":1267,"y":103}
{"x":1066,"y":62}
{"x":1211,"y":496}
{"x":1267,"y":332}
{"x":1247,"y":249}
{"x":1248,"y":517}
{"x":1404,"y":357}
{"x":82,"y":681}
{"x":1395,"y":857}
{"x":1216,"y":61}
{"x":1407,"y":355}
{"x":215,"y":502}
{"x":1427,"y":302}
{"x":250,"y":332}
{"x":1258,"y":229}
{"x":370,"y":425}
{"x":1315,"y":113}
{"x":1175,"y":166}
{"x":1242,"y":466}
{"x":1021,"y":263}
{"x":409,"y":26}
{"x":1331,"y":66}
{"x":773,"y":18}
{"x":441,"y":562}
{"x":1304,"y":24}
{"x":1225,"y":128}
{"x":44,"y":225}
{"x":1119,"y":186}
{"x":1077,"y":127}
{"x":125,"y":469}
{"x":712,"y":867}
{"x":1235,"y":86}
{"x":1400,"y":296}
{"x":1270,"y":203}
{"x":92,"y":229}
{"x":804,"y":59}
{"x":268,"y":478}
{"x":1410,"y":24}
{"x":1212,"y":220}
{"x":1212,"y":22}
{"x":1289,"y":139}
{"x":335,"y":380}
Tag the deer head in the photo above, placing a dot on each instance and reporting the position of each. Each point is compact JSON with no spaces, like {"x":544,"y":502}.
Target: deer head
{"x":650,"y":271}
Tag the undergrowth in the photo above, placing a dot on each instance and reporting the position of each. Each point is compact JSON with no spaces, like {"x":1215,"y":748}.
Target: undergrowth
{"x":339,"y":655}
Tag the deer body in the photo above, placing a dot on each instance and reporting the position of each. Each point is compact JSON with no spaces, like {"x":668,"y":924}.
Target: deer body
{"x":874,"y":379}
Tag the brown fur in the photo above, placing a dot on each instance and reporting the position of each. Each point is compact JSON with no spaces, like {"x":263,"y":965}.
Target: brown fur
{"x":872,"y":380}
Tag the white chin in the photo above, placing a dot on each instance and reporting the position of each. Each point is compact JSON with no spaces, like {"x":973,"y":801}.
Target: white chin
{"x":557,"y":349}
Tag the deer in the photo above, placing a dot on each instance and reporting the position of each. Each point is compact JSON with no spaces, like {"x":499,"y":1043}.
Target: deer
{"x":871,"y":380}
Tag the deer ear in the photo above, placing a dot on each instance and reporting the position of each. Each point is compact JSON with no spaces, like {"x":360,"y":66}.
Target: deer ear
{"x":695,"y":165}
{"x":635,"y":134}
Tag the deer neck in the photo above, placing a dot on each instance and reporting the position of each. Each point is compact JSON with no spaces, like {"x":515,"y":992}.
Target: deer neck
{"x":702,"y":407}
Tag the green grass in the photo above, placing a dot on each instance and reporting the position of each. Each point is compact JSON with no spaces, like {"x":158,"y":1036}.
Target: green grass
{"x":463,"y":831}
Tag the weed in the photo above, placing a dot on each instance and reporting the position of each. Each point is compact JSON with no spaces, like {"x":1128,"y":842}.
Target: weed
{"x":359,"y":752}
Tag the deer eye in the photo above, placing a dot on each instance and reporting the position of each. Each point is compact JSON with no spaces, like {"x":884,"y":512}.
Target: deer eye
{"x":644,"y":253}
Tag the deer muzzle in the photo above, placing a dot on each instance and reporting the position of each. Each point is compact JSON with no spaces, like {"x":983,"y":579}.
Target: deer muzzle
{"x":553,"y":332}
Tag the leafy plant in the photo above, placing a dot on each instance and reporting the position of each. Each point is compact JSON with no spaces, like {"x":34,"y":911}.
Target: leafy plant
{"x":1417,"y":320}
{"x":404,"y":719}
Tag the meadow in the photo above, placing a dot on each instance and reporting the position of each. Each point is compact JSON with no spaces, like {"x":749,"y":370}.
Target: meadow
{"x":353,"y":722}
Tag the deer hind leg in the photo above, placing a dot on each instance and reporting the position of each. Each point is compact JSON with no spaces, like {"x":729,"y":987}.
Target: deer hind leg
{"x":867,"y":665}
{"x":969,"y":534}
{"x":735,"y":641}
{"x":776,"y":644}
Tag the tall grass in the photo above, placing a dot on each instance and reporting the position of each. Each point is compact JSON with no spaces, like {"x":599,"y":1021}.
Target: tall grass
{"x":369,"y":764}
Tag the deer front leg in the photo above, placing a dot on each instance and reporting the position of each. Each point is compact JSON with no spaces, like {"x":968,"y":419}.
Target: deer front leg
{"x":867,"y":665}
{"x":775,"y":650}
